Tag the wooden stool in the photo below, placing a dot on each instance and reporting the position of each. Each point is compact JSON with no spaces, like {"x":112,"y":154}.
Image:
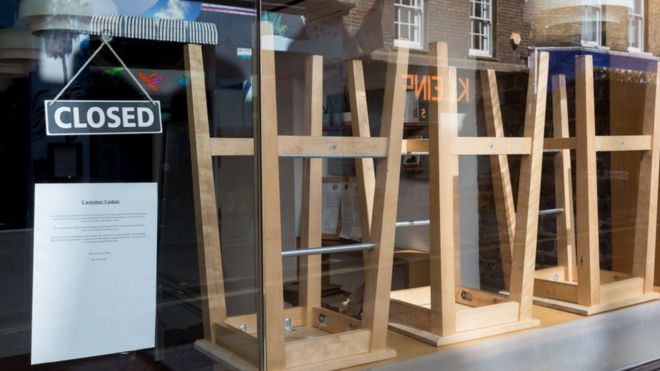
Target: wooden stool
{"x":445,"y":313}
{"x":580,"y":286}
{"x":304,"y":337}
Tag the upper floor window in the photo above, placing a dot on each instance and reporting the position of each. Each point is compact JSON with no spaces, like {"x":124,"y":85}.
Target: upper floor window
{"x":591,"y":25}
{"x":409,"y":23}
{"x":481,"y":28}
{"x":636,"y":26}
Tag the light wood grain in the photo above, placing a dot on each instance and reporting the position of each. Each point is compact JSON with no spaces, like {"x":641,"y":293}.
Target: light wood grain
{"x":364,"y":167}
{"x":465,"y":336}
{"x":647,"y":192}
{"x":326,"y":348}
{"x":491,"y":146}
{"x":618,"y":291}
{"x":623,"y":143}
{"x":296,"y":314}
{"x":240,"y":343}
{"x":553,"y":273}
{"x":595,"y":309}
{"x":487,"y":316}
{"x":478,"y":298}
{"x":500,"y":174}
{"x":587,"y":193}
{"x":443,"y":130}
{"x":563,"y":180}
{"x":626,"y":117}
{"x":271,"y":232}
{"x":334,"y":322}
{"x":292,"y":145}
{"x":529,"y":188}
{"x":206,"y":216}
{"x":378,"y":262}
{"x":312,"y":200}
{"x":467,"y":318}
{"x":564,"y":291}
{"x":232,"y":147}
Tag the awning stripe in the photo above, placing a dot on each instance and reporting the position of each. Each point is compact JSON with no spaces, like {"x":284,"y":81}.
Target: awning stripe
{"x":155,"y":29}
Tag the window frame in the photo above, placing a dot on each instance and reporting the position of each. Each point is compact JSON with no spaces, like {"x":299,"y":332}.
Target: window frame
{"x":416,"y":13}
{"x":636,"y":15}
{"x":476,"y":52}
{"x":587,"y":22}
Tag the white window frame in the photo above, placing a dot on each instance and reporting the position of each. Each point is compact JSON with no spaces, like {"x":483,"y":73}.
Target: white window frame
{"x":487,"y":19}
{"x":588,"y":22}
{"x":636,"y":16}
{"x":415,"y":23}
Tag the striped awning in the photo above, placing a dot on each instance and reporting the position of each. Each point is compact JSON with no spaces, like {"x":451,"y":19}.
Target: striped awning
{"x":157,"y":29}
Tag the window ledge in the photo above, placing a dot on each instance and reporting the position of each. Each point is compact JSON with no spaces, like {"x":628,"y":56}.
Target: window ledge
{"x":480,"y":54}
{"x":639,"y":52}
{"x":590,"y":44}
{"x":407,"y":44}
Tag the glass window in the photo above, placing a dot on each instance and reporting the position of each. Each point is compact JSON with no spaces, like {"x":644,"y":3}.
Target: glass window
{"x":636,"y":26}
{"x":591,"y":25}
{"x":481,"y":27}
{"x":329,"y":184}
{"x":409,"y":23}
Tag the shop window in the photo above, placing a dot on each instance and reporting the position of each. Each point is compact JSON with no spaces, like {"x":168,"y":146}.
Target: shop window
{"x":636,"y":26}
{"x":409,"y":23}
{"x":591,"y":25}
{"x":481,"y":28}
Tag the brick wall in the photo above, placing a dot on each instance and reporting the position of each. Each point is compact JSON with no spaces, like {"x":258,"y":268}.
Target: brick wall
{"x":511,"y":17}
{"x":446,"y":20}
{"x":615,"y":27}
{"x":556,"y":27}
{"x":652,"y":26}
{"x":449,"y":21}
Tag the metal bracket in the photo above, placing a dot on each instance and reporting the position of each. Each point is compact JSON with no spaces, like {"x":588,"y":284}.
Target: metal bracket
{"x":288,"y":325}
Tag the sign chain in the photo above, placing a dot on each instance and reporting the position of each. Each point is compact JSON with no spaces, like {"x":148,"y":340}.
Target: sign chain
{"x":105,"y":42}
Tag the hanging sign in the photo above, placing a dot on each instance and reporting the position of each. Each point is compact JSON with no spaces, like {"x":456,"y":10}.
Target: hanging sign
{"x":102,"y":117}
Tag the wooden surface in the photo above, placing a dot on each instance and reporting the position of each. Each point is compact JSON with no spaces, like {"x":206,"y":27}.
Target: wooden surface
{"x":271,"y":229}
{"x":647,"y":191}
{"x":563,"y":180}
{"x":206,"y":213}
{"x":407,"y":347}
{"x":443,"y":129}
{"x":364,"y":167}
{"x":312,"y":200}
{"x":529,"y":189}
{"x":626,"y":118}
{"x":378,"y":262}
{"x":588,"y":261}
{"x":499,"y":169}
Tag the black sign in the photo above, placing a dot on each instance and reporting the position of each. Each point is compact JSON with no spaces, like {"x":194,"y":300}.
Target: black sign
{"x":102,"y":117}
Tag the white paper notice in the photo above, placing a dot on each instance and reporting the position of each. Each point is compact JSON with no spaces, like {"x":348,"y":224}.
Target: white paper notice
{"x":94,"y":285}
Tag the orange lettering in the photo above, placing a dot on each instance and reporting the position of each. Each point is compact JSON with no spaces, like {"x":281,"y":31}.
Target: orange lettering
{"x":421,"y":88}
{"x":410,"y":85}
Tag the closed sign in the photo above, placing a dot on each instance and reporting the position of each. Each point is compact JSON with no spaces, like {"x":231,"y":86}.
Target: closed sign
{"x":102,"y":117}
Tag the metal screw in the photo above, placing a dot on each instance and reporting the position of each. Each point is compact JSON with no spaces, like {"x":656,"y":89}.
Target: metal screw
{"x":466,"y":296}
{"x":288,"y":325}
{"x":243,"y":328}
{"x":321,"y":319}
